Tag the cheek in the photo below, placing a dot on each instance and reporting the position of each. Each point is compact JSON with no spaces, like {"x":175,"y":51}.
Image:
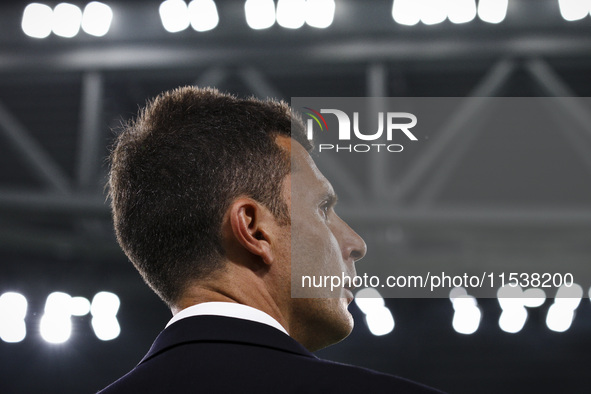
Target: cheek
{"x":315,"y":249}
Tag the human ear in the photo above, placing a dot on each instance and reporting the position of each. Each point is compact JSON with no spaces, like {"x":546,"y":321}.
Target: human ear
{"x":250,"y":223}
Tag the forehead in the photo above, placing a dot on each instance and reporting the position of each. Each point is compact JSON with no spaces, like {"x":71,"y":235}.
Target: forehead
{"x":303,"y":169}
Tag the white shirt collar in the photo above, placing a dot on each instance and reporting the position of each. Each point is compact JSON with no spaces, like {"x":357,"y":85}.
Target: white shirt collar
{"x":228,"y":309}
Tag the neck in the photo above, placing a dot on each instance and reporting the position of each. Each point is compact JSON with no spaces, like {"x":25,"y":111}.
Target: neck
{"x":253,"y":293}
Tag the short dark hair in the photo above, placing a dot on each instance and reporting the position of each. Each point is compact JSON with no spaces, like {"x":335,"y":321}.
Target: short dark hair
{"x":177,"y":167}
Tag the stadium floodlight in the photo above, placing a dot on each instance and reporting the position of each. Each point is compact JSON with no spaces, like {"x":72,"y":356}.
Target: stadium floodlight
{"x":104,"y":308}
{"x":291,"y":14}
{"x":461,"y":11}
{"x":433,"y":11}
{"x":174,"y":15}
{"x":13,"y":309}
{"x":378,"y":317}
{"x":513,"y":318}
{"x":105,"y":303}
{"x":493,"y":11}
{"x":512,"y":302}
{"x":97,"y":18}
{"x":467,"y":315}
{"x":66,"y":21}
{"x":79,"y":306}
{"x":260,"y":14}
{"x":380,"y":321}
{"x":562,"y":312}
{"x":559,"y":319}
{"x":203,"y":15}
{"x":106,"y":328}
{"x":369,"y":300}
{"x":534,"y":297}
{"x":37,"y":20}
{"x":320,"y":13}
{"x":406,"y":12}
{"x":574,"y":10}
{"x":56,"y":322}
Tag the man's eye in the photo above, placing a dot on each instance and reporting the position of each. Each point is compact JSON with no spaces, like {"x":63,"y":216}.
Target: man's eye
{"x":324,"y":208}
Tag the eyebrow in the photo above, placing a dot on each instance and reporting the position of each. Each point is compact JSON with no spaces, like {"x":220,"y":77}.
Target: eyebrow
{"x":331,"y":198}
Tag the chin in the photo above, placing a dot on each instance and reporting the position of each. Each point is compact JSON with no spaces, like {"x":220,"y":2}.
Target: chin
{"x":348,"y":322}
{"x":322,"y":322}
{"x":337,"y":323}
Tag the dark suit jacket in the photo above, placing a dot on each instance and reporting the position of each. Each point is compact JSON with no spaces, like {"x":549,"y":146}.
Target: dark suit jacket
{"x":214,"y":354}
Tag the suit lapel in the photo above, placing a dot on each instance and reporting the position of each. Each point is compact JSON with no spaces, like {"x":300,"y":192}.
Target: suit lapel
{"x":223,"y":329}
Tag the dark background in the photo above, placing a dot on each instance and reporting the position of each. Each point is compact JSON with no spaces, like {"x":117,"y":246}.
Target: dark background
{"x":61,"y":100}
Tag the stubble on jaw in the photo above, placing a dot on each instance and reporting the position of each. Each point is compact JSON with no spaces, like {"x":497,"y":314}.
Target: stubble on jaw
{"x":314,"y":322}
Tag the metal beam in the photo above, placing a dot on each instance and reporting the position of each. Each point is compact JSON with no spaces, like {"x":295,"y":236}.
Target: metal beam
{"x":48,"y":241}
{"x":554,"y":86}
{"x":292,"y":53}
{"x":448,"y":218}
{"x":213,"y":77}
{"x":453,"y":130}
{"x":90,"y":129}
{"x":44,"y":167}
{"x":377,"y":89}
{"x":259,"y":84}
{"x":13,"y":202}
{"x":569,"y":105}
{"x":17,"y":203}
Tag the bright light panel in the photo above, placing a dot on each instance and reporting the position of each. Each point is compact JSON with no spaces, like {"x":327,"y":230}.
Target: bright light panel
{"x":104,"y":310}
{"x":260,"y":14}
{"x":203,"y":15}
{"x":406,"y":12}
{"x":574,"y":10}
{"x":79,"y":306}
{"x":58,"y":303}
{"x":96,"y":19}
{"x":320,"y":13}
{"x":13,"y":309}
{"x":509,"y":291}
{"x":13,"y":305}
{"x":105,"y":304}
{"x":37,"y":20}
{"x":56,"y":323}
{"x":56,"y":328}
{"x":433,"y":11}
{"x":291,"y":14}
{"x":66,"y":20}
{"x":13,"y":331}
{"x":492,"y":11}
{"x":569,"y":297}
{"x":466,"y":321}
{"x":467,"y":315}
{"x":461,"y":11}
{"x":106,"y":328}
{"x":533,"y":298}
{"x":457,"y":292}
{"x":513,"y":319}
{"x":369,"y":300}
{"x":562,"y":312}
{"x":559,"y":318}
{"x":380,"y":321}
{"x":174,"y":15}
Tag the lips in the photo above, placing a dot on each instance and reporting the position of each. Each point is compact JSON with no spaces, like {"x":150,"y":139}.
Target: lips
{"x":348,"y":295}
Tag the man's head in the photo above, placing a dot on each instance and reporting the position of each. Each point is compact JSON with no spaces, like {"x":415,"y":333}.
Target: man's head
{"x":176,"y":169}
{"x":202,"y":199}
{"x":322,"y":245}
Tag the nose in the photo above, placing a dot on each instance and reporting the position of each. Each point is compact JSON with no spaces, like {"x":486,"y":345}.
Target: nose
{"x":352,"y":245}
